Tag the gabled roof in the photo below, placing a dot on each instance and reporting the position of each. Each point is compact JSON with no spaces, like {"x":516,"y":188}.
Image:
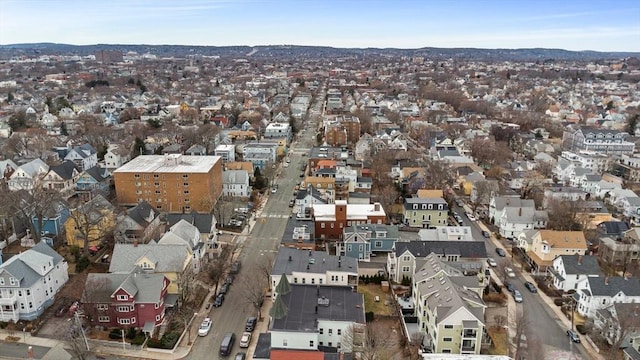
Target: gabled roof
{"x":64,"y":170}
{"x":182,"y":232}
{"x":166,"y":257}
{"x":420,"y":249}
{"x":97,"y":173}
{"x":581,"y":265}
{"x":235,"y":177}
{"x":204,"y":222}
{"x":27,"y":266}
{"x":564,"y":239}
{"x":144,"y":287}
{"x":143,"y":213}
{"x":598,"y":287}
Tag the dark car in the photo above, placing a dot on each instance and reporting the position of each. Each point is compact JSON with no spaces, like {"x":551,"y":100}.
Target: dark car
{"x":224,"y":288}
{"x":486,"y":234}
{"x":501,"y":252}
{"x":532,"y":288}
{"x":235,"y":267}
{"x":251,"y":324}
{"x":219,"y":300}
{"x":509,"y":286}
{"x":240,"y":356}
{"x":228,"y":280}
{"x":573,"y":336}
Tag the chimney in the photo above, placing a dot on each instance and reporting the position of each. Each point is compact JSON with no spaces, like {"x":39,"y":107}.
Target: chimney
{"x":339,"y":263}
{"x":579,"y":259}
{"x":606,"y":280}
{"x":289,"y":257}
{"x":135,"y":242}
{"x":307,"y":266}
{"x":316,"y":309}
{"x":376,"y":207}
{"x":519,"y":211}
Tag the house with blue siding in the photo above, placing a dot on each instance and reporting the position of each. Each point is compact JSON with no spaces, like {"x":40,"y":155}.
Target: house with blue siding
{"x":52,"y":220}
{"x":362,"y":241}
{"x":92,"y":182}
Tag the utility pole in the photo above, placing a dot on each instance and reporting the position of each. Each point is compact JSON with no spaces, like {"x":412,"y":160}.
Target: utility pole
{"x":76,"y":316}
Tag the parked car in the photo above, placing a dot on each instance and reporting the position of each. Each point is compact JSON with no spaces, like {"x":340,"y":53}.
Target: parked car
{"x":459,"y":203}
{"x":573,"y":336}
{"x":509,"y":272}
{"x":245,"y":339}
{"x":251,"y":324}
{"x":204,"y":328}
{"x":235,"y":267}
{"x":486,"y":234}
{"x":224,"y":288}
{"x":501,"y":252}
{"x":532,"y":288}
{"x":517,"y":297}
{"x":509,"y":286}
{"x":292,"y":202}
{"x":228,"y":280}
{"x":219,"y":300}
{"x":492,"y":262}
{"x":471,"y":217}
{"x":240,"y":356}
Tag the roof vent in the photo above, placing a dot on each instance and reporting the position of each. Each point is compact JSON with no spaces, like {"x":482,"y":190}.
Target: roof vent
{"x":289,"y":257}
{"x":312,"y":261}
{"x":323,"y":301}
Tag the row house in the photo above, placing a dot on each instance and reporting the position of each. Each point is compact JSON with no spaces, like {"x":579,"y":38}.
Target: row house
{"x":601,"y":292}
{"x":543,"y":246}
{"x":29,"y":282}
{"x":425,"y":212}
{"x":604,"y":141}
{"x":235,"y":183}
{"x":571,"y":272}
{"x":135,"y":300}
{"x":450,"y":313}
{"x":627,"y":167}
{"x":330,"y":219}
{"x":364,"y":241}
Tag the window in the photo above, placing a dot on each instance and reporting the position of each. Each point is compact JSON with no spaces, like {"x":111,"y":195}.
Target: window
{"x":284,"y":342}
{"x":322,"y":225}
{"x":103,"y":319}
{"x":133,"y":320}
{"x":311,"y":343}
{"x":157,"y":317}
{"x":313,"y":280}
{"x":446,"y":351}
{"x":28,"y":292}
{"x":406,"y":258}
{"x":448,"y":326}
{"x":447,"y":339}
{"x":349,"y":248}
{"x":378,"y":244}
{"x":21,"y":306}
{"x":339,"y":333}
{"x":12,"y":281}
{"x":321,"y":331}
{"x":103,"y":307}
{"x":1,"y":281}
{"x":19,"y":292}
{"x":186,"y":192}
{"x":304,"y":281}
{"x":126,"y":308}
{"x":124,"y":321}
{"x":405,"y":269}
{"x":30,"y":305}
{"x":330,"y":331}
{"x":121,"y":297}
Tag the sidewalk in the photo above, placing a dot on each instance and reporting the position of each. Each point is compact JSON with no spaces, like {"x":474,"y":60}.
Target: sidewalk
{"x":261,"y":327}
{"x":549,"y":303}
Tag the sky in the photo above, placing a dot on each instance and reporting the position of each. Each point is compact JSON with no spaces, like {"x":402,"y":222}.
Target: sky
{"x":598,"y":25}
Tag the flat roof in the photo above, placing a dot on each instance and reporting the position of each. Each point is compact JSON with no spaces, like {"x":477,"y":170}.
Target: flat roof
{"x":173,"y":163}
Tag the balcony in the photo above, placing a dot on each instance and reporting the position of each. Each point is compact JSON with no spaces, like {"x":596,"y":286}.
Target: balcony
{"x":9,"y":300}
{"x":469,"y":333}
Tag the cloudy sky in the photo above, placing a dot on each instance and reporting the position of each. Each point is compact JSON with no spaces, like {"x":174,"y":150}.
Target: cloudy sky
{"x":568,"y":24}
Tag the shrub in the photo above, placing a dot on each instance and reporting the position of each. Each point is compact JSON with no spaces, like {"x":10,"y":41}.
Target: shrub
{"x":3,"y":324}
{"x":75,"y":251}
{"x":369,"y":316}
{"x":82,"y":264}
{"x":581,"y":329}
{"x":406,"y":281}
{"x":115,"y":334}
{"x":169,"y":340}
{"x":498,"y":298}
{"x":138,"y":339}
{"x":558,"y":301}
{"x":131,"y":333}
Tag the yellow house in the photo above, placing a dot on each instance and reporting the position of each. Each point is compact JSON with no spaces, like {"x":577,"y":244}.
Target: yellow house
{"x":172,"y":260}
{"x":326,"y":185}
{"x":92,"y":221}
{"x":469,"y":180}
{"x":429,"y":193}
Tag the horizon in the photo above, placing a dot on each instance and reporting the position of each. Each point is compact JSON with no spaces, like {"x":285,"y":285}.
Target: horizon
{"x":573,"y":25}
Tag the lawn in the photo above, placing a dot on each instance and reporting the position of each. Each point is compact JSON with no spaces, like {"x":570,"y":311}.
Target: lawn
{"x":499,"y":344}
{"x":370,"y":291}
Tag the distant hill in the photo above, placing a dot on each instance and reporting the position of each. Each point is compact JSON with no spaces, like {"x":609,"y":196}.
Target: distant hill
{"x":301,"y":52}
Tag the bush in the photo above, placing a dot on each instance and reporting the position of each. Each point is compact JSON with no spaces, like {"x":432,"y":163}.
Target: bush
{"x":131,"y":333}
{"x":498,"y":298}
{"x":75,"y":251}
{"x":558,"y":301}
{"x":168,"y":341}
{"x":82,"y":264}
{"x":138,"y":339}
{"x":581,"y":329}
{"x":406,"y":281}
{"x":3,"y":324}
{"x":369,"y":316}
{"x":115,"y":334}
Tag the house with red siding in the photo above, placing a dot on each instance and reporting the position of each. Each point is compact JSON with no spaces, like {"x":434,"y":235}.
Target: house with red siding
{"x":133,"y":300}
{"x":330,"y":219}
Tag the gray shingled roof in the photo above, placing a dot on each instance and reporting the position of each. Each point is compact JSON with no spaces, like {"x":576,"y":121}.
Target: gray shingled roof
{"x":588,"y":265}
{"x":143,"y":213}
{"x":343,"y":305}
{"x":630,"y":287}
{"x":145,"y":287}
{"x":466,"y":249}
{"x":167,"y":258}
{"x":322,"y":262}
{"x":23,"y":266}
{"x":203,"y":222}
{"x":64,"y":170}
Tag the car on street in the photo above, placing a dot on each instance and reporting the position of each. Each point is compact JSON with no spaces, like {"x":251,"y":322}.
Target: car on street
{"x":204,"y":328}
{"x":529,"y":285}
{"x":274,"y":189}
{"x":509,"y":272}
{"x":501,"y":252}
{"x":292,"y":202}
{"x":251,"y":323}
{"x":509,"y":286}
{"x":245,"y":339}
{"x":471,"y":217}
{"x":573,"y":336}
{"x":235,"y":267}
{"x":229,"y":280}
{"x":517,"y":297}
{"x":224,"y":288}
{"x":492,"y":262}
{"x":459,"y":203}
{"x":219,"y":300}
{"x":240,"y":356}
{"x":486,"y":234}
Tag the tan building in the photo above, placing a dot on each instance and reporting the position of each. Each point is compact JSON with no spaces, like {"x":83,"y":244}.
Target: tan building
{"x":342,"y":130}
{"x":171,"y":183}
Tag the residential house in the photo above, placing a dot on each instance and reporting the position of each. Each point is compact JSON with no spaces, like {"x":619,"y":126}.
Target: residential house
{"x":53,"y":219}
{"x":84,"y":156}
{"x":226,"y":152}
{"x":171,"y":260}
{"x":570,"y":272}
{"x":309,"y":317}
{"x":260,"y":153}
{"x":171,"y":183}
{"x":308,"y":267}
{"x":446,"y":233}
{"x":116,"y":156}
{"x":93,"y":182}
{"x":618,"y":323}
{"x":542,"y":246}
{"x":595,"y":162}
{"x":331,"y":219}
{"x":450,"y":314}
{"x":563,"y":193}
{"x":90,"y":223}
{"x":7,"y":168}
{"x":618,"y":251}
{"x":134,"y":300}
{"x":627,"y":167}
{"x":62,"y":179}
{"x":408,"y":256}
{"x":601,"y":292}
{"x":28,"y":175}
{"x":206,"y":224}
{"x":29,"y":282}
{"x":513,"y":215}
{"x":185,"y":233}
{"x":604,"y":141}
{"x":305,"y":198}
{"x":326,"y":185}
{"x":364,"y":241}
{"x":278,"y":130}
{"x":196,"y":150}
{"x":137,"y":224}
{"x":235,"y":183}
{"x":425,"y":212}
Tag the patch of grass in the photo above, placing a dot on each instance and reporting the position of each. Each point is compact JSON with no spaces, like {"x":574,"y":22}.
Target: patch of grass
{"x":500,"y":345}
{"x":370,"y":291}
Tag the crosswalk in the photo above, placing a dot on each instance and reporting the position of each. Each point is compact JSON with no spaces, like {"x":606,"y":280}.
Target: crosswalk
{"x":278,"y":216}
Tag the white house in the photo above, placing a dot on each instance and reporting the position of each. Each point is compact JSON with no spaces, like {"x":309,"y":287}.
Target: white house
{"x":601,"y":292}
{"x":116,"y":156}
{"x":27,"y":175}
{"x":306,"y":198}
{"x":235,"y":183}
{"x":187,"y":234}
{"x":29,"y":282}
{"x":226,"y":152}
{"x":571,"y":272}
{"x":277,"y":130}
{"x":84,"y":156}
{"x":513,"y":215}
{"x":62,"y":178}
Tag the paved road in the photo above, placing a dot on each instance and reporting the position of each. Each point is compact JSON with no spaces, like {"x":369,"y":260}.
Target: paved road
{"x":544,"y":323}
{"x":261,"y":244}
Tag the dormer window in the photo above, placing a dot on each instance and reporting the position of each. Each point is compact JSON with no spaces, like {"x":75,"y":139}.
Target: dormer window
{"x":123,"y":297}
{"x":415,"y":206}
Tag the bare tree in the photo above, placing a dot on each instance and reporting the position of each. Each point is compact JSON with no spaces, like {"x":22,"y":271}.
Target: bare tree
{"x":564,"y":215}
{"x":186,"y":283}
{"x":254,"y":290}
{"x":93,"y":221}
{"x":481,"y":193}
{"x":34,"y":205}
{"x":438,"y":174}
{"x":387,"y":195}
{"x":218,"y":266}
{"x":369,"y":342}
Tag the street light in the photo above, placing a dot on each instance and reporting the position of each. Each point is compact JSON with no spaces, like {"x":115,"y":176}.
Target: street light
{"x":189,"y":328}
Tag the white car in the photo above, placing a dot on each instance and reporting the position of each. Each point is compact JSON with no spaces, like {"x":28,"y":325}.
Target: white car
{"x":471,"y":217}
{"x":245,"y":339}
{"x":205,"y":326}
{"x":509,"y":272}
{"x":492,"y":262}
